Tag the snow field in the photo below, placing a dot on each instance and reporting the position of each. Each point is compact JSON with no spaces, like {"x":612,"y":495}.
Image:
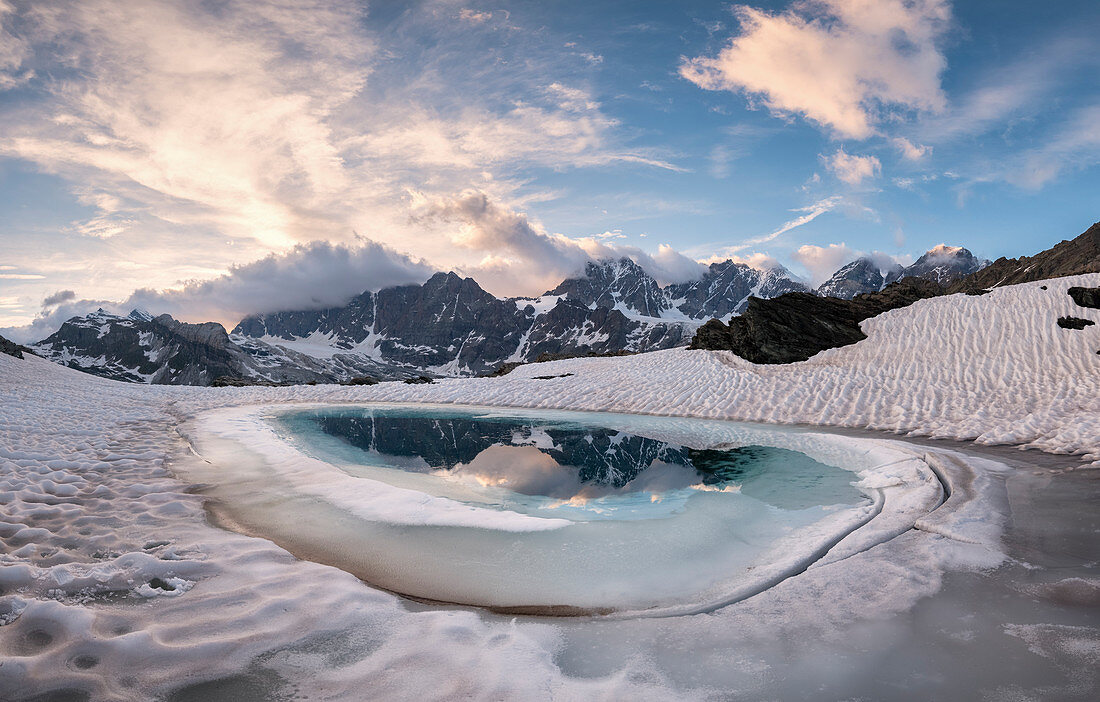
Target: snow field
{"x":90,"y":515}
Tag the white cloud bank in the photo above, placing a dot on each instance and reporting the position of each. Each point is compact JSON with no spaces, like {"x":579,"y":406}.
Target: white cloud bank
{"x":523,"y":253}
{"x":310,"y":276}
{"x":823,"y":261}
{"x":842,"y":64}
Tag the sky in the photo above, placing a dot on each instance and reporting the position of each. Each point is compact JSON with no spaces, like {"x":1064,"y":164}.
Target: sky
{"x":218,"y":158}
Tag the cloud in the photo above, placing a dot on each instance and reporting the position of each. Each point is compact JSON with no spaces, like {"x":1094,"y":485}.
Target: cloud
{"x":58,"y":297}
{"x":911,"y":151}
{"x":823,"y":261}
{"x":21,"y":276}
{"x":843,"y":64}
{"x":809,"y":214}
{"x":1074,"y":145}
{"x":484,"y":225}
{"x":223,"y":119}
{"x":310,"y":276}
{"x":13,"y":53}
{"x":812,"y":212}
{"x":611,"y":234}
{"x":474,"y":16}
{"x":852,"y":169}
{"x":523,"y":253}
{"x":1016,"y":90}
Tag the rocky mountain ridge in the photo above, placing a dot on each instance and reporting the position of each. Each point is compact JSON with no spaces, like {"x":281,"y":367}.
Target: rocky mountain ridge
{"x":943,"y":265}
{"x":446,"y":326}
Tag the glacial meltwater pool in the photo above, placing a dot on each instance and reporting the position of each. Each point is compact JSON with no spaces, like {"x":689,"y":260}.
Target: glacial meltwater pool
{"x":536,"y":511}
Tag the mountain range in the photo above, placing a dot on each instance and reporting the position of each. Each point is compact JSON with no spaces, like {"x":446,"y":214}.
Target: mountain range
{"x":450,"y":326}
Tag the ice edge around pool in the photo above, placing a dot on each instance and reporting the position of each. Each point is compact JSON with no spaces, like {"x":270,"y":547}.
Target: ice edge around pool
{"x":235,"y":452}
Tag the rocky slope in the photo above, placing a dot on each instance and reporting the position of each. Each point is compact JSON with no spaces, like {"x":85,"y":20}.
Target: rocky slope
{"x":11,"y":348}
{"x":943,"y":265}
{"x":447,"y":326}
{"x":860,"y":276}
{"x":1080,"y":255}
{"x":450,"y":325}
{"x":725,"y":289}
{"x":161,"y":350}
{"x":620,"y":284}
{"x":795,"y":327}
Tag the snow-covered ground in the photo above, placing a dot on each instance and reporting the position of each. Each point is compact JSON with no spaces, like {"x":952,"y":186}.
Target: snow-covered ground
{"x":114,"y":587}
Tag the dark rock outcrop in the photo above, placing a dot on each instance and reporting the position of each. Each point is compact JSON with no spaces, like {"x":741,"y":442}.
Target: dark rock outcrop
{"x":1080,"y":255}
{"x":1074,"y":323}
{"x":1086,"y":297}
{"x":796,"y":326}
{"x":12,"y":349}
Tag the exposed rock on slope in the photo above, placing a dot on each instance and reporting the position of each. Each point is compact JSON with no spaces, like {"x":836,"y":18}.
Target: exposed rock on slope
{"x":945,"y":265}
{"x":942,"y":264}
{"x":618,"y":284}
{"x":163,"y":351}
{"x":860,"y":276}
{"x":726,"y":287}
{"x":451,"y":325}
{"x":796,"y":326}
{"x":1081,"y":255}
{"x":11,"y":348}
{"x":1074,"y":323}
{"x":1086,"y":297}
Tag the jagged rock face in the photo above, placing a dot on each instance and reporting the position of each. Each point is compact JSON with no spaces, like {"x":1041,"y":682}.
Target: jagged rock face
{"x":447,"y":320}
{"x":945,"y":265}
{"x":139,"y":350}
{"x":451,"y":325}
{"x":725,"y":289}
{"x":1080,"y":255}
{"x":794,"y":327}
{"x":860,"y":276}
{"x":11,"y":348}
{"x":347,"y":325}
{"x":618,"y":284}
{"x":571,"y":327}
{"x":164,"y":351}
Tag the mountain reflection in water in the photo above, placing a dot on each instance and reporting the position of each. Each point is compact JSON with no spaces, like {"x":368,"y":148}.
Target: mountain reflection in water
{"x":547,"y":452}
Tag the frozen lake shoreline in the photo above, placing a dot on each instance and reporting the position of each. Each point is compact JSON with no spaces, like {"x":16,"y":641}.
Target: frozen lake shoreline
{"x":234,"y":445}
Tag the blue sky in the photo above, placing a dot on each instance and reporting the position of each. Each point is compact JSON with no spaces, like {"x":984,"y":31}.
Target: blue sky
{"x":215,"y":157}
